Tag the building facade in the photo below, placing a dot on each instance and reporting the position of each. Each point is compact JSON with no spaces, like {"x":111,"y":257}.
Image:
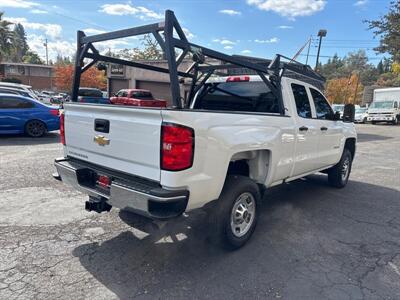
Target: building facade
{"x":40,"y":77}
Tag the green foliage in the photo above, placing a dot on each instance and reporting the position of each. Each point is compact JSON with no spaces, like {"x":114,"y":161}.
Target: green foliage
{"x":19,"y":44}
{"x":354,"y":62}
{"x":32,"y":58}
{"x":63,"y":60}
{"x":388,"y":29}
{"x":5,"y":37}
{"x":13,"y":44}
{"x":150,"y":50}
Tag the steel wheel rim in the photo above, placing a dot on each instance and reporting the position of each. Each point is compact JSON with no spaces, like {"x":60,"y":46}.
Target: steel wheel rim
{"x":35,"y":128}
{"x":243,"y":214}
{"x":345,"y":169}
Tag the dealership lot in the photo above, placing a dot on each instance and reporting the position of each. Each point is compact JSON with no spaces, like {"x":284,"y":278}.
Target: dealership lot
{"x":312,"y":241}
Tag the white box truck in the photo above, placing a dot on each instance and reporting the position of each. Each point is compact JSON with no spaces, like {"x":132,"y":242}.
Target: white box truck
{"x":385,"y":106}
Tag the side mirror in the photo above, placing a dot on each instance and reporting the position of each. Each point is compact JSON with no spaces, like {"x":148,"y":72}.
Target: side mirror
{"x":336,"y":116}
{"x":349,"y":113}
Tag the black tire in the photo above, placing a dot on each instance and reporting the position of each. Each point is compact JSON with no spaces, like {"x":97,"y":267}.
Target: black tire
{"x":336,"y":176}
{"x":364,"y":120}
{"x":395,"y":121}
{"x":373,"y":122}
{"x":236,"y":190}
{"x":35,"y":128}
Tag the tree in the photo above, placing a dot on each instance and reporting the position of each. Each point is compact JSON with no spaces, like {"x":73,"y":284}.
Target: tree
{"x":150,"y":50}
{"x":388,"y":29}
{"x":354,"y":62}
{"x":32,"y":58}
{"x":91,"y":78}
{"x":5,"y":37}
{"x":344,"y":89}
{"x":379,"y":67}
{"x":19,"y":44}
{"x":63,"y":60}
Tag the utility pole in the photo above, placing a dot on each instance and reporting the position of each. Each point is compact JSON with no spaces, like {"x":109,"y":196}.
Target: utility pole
{"x":321,"y":34}
{"x":308,"y":50}
{"x":47,"y":52}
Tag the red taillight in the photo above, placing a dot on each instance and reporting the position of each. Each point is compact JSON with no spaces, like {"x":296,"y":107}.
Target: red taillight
{"x":54,"y":112}
{"x":237,"y":78}
{"x":62,"y":128}
{"x":177,"y":147}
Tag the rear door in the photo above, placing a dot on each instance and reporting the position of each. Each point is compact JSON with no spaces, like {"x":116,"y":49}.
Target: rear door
{"x":121,"y":138}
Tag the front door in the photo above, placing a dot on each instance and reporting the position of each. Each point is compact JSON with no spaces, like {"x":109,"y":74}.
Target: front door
{"x":330,"y":132}
{"x":306,"y":153}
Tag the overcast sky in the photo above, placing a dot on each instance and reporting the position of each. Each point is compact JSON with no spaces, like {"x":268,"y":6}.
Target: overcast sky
{"x":253,"y":27}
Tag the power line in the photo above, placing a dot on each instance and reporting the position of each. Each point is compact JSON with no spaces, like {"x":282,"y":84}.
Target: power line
{"x":331,"y":56}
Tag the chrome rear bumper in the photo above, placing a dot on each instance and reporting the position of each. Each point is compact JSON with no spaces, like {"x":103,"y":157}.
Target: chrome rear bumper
{"x":129,"y":193}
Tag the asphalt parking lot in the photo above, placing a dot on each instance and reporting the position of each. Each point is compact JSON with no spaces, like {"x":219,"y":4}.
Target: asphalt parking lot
{"x":312,"y":241}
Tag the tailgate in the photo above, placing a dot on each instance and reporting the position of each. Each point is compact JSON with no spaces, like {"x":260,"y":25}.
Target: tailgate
{"x":131,"y":145}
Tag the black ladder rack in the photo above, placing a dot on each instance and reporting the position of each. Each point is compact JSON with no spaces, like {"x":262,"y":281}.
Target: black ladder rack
{"x":170,"y":37}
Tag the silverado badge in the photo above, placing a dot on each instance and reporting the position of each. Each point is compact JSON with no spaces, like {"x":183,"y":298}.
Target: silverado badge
{"x":101,"y":140}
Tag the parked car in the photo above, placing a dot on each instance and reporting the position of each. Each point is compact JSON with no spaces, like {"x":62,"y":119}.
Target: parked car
{"x":14,"y":91}
{"x":361,"y":115}
{"x":339,"y":108}
{"x":137,"y":97}
{"x":26,"y":115}
{"x":92,"y":95}
{"x":25,"y":88}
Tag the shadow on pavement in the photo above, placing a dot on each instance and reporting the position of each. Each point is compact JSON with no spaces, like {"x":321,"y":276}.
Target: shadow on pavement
{"x":299,"y":221}
{"x":22,"y":140}
{"x":367,"y":137}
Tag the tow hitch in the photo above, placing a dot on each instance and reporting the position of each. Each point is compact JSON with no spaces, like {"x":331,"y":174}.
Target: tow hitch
{"x":97,"y":205}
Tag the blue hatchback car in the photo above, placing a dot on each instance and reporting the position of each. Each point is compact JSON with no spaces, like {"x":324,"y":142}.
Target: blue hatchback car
{"x":20,"y":114}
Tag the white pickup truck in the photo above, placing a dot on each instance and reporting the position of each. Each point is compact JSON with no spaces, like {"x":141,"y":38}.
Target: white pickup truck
{"x":235,"y":138}
{"x":161,"y":163}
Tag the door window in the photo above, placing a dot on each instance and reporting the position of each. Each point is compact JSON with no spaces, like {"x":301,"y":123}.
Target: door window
{"x":303,"y":105}
{"x":14,"y":103}
{"x":322,"y":108}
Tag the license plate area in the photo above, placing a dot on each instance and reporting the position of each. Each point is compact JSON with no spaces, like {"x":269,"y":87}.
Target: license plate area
{"x":91,"y":179}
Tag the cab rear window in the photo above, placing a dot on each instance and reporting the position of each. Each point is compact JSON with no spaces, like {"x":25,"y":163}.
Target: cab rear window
{"x":142,"y":95}
{"x":90,"y":93}
{"x":237,"y":96}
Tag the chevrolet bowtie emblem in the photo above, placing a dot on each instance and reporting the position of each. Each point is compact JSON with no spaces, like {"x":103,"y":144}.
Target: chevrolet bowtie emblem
{"x":101,"y":140}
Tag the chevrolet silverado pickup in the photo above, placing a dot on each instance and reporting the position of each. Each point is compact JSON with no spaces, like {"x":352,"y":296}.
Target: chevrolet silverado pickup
{"x":235,"y":136}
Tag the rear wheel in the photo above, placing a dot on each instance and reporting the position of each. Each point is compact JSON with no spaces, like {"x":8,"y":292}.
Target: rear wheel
{"x":395,"y":121}
{"x":338,"y":175}
{"x":35,"y":128}
{"x":234,"y":217}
